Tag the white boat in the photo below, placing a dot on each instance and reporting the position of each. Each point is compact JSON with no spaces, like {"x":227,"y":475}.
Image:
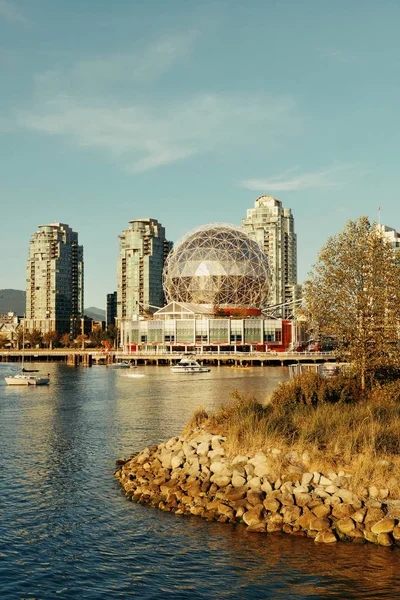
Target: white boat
{"x":25,"y":378}
{"x":120,"y":365}
{"x":22,"y":379}
{"x":189,"y":365}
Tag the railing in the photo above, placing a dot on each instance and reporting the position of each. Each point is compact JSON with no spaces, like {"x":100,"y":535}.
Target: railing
{"x":154,"y":352}
{"x":221,"y":353}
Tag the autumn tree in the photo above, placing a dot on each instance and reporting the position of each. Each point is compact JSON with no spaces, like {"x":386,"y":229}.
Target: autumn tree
{"x":65,"y":340}
{"x":81,"y":339}
{"x":50,"y":338}
{"x":111,"y":335}
{"x":19,"y":338}
{"x":353,"y":296}
{"x":34,"y":337}
{"x":96,"y":336}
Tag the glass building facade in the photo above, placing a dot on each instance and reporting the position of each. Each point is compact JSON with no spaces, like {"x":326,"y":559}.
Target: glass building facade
{"x":182,"y":326}
{"x":111,"y":308}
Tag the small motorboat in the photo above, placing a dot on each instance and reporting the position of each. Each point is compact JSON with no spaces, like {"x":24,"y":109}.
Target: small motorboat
{"x":120,"y":365}
{"x":189,"y":365}
{"x":27,"y":380}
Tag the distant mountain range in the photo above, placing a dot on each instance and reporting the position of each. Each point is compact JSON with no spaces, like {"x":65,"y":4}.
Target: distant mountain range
{"x":97,"y":314}
{"x":12,"y":300}
{"x":15,"y":301}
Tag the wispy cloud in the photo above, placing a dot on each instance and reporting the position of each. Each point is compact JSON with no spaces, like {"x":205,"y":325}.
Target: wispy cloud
{"x":129,"y":67}
{"x":143,"y":136}
{"x":293,"y":180}
{"x":113,"y":104}
{"x":11,"y":12}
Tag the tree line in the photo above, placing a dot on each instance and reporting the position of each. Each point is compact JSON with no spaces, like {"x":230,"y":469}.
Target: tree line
{"x":52,"y":339}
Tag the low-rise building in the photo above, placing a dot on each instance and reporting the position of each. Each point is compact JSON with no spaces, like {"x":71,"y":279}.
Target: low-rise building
{"x":390,"y":234}
{"x":10,"y":325}
{"x":188,"y":327}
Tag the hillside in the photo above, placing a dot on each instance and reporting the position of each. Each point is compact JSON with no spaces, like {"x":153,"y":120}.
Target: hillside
{"x":97,"y":314}
{"x":12,"y":300}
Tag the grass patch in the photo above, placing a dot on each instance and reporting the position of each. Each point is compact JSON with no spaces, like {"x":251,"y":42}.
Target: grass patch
{"x":329,"y":421}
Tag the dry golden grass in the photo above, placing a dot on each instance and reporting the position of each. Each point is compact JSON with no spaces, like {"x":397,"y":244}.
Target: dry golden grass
{"x":360,"y":436}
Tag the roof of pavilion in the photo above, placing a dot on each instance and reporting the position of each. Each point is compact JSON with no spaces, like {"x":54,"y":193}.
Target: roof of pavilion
{"x":178,"y":309}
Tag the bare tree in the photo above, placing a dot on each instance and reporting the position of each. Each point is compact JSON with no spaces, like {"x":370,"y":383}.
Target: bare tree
{"x":353,"y":296}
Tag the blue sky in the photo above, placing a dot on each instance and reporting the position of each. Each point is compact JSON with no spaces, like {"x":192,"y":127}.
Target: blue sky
{"x":186,"y":112}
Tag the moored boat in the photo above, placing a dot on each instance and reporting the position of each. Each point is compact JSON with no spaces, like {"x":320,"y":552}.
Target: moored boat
{"x":22,"y":379}
{"x":120,"y":365}
{"x":25,"y":378}
{"x":189,"y":365}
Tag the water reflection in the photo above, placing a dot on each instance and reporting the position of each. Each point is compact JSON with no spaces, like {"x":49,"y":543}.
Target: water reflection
{"x":66,"y":529}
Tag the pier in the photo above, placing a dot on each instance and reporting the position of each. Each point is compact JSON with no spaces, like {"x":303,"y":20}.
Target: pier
{"x":87,"y":358}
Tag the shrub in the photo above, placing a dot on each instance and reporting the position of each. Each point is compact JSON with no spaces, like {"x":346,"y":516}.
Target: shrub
{"x":385,"y":394}
{"x":312,"y":389}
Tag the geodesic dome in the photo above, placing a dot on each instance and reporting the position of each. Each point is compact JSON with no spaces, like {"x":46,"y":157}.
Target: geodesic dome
{"x":219,"y":265}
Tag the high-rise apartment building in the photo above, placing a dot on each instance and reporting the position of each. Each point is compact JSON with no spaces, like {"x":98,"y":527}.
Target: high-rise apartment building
{"x":54,"y":280}
{"x":272,"y":226}
{"x":143,"y":250}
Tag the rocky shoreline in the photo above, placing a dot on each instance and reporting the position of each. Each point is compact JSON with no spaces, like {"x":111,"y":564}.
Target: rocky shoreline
{"x":267,"y":492}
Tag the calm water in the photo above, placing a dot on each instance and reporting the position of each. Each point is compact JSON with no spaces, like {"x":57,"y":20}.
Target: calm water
{"x":66,"y":530}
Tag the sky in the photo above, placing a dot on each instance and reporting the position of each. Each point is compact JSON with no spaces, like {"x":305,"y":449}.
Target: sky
{"x":186,"y":112}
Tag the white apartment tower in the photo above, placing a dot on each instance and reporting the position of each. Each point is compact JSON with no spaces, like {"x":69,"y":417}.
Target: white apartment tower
{"x":272,"y":226}
{"x":143,"y":251}
{"x":54,"y":279}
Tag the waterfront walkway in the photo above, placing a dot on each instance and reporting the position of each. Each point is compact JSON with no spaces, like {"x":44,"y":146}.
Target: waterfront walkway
{"x":75,"y":357}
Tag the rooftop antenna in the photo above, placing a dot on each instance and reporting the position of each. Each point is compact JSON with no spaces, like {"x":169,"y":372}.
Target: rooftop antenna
{"x":379,"y":216}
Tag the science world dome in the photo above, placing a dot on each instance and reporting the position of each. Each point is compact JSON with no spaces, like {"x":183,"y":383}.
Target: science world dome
{"x":218,"y":265}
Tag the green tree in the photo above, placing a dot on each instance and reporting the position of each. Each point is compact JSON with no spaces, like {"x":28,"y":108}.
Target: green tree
{"x":34,"y":337}
{"x":353,"y":296}
{"x":50,"y":338}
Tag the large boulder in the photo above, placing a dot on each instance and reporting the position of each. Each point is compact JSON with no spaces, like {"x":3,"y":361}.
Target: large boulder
{"x":325,"y":537}
{"x":253,"y":516}
{"x":345,"y":525}
{"x":384,"y":526}
{"x":319,"y":524}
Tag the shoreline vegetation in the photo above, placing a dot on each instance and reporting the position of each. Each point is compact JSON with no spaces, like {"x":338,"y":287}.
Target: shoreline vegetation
{"x":318,"y":458}
{"x":333,"y":422}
